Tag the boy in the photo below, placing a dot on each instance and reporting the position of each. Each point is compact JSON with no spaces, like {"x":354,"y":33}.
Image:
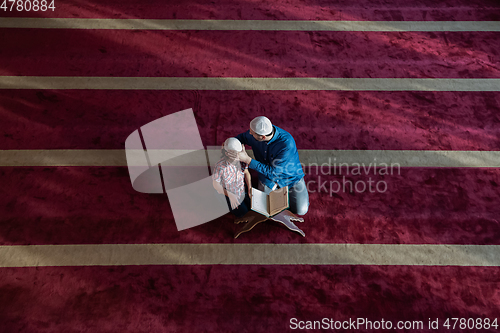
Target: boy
{"x":229,"y":179}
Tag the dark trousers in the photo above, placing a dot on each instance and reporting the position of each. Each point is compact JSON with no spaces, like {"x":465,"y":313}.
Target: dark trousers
{"x":242,"y":209}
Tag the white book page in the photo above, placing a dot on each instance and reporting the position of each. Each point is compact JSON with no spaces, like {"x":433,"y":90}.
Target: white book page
{"x":259,"y":202}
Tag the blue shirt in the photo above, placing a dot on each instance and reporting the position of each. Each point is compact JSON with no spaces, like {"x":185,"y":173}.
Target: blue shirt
{"x":276,"y":161}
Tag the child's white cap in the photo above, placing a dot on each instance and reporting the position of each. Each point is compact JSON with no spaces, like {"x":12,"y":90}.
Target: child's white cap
{"x":261,"y":125}
{"x":233,"y":144}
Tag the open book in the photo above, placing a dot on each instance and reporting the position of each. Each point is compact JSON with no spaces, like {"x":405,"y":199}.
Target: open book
{"x":270,"y":204}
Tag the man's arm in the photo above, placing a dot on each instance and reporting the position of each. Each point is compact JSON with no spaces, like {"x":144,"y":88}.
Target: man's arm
{"x":278,"y":166}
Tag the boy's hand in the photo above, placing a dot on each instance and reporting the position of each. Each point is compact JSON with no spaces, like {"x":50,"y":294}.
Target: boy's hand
{"x":234,"y":200}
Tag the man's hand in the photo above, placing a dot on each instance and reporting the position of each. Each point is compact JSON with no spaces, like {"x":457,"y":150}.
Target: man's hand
{"x":243,"y":156}
{"x":232,"y":154}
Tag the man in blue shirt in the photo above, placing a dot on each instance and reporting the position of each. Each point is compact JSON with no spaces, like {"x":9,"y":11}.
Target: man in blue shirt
{"x":276,"y":161}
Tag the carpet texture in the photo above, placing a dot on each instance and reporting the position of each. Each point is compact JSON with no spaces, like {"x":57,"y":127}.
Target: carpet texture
{"x":82,"y":119}
{"x":239,"y":298}
{"x":364,"y":10}
{"x":87,"y":205}
{"x":48,"y":52}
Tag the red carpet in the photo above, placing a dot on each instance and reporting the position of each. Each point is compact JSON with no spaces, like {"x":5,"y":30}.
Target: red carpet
{"x":47,"y":52}
{"x":79,"y":119}
{"x":363,"y":10}
{"x":239,"y":298}
{"x":98,"y":206}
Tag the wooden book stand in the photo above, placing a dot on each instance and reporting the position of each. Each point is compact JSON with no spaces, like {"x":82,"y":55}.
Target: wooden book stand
{"x":253,"y":218}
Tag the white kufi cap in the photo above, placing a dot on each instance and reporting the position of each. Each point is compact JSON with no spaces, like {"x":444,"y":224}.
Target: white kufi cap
{"x":261,"y":125}
{"x":233,"y":144}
